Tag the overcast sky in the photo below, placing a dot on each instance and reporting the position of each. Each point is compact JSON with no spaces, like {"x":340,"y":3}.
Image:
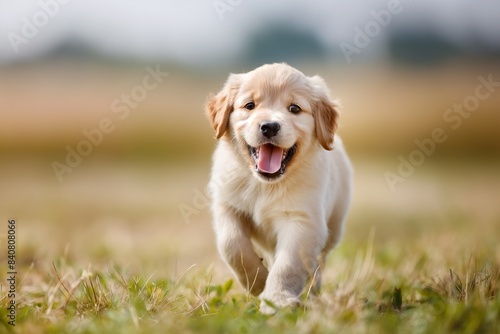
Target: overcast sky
{"x":203,"y":31}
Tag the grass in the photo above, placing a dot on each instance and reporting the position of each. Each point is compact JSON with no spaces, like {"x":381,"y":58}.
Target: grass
{"x":106,"y":251}
{"x":375,"y":290}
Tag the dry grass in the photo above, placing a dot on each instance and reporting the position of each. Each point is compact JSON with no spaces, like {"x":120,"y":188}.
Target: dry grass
{"x":365,"y":292}
{"x":423,"y":269}
{"x":384,"y":108}
{"x":108,"y":251}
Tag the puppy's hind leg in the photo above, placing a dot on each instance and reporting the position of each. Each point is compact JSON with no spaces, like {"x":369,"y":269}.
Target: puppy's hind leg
{"x":233,"y":241}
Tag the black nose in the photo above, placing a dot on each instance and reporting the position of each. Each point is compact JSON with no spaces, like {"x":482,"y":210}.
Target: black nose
{"x":270,"y":129}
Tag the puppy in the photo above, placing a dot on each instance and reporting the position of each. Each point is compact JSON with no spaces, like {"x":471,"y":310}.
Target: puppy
{"x":280,"y":185}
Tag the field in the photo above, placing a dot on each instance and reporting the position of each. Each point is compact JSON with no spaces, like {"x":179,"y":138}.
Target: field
{"x":108,"y":250}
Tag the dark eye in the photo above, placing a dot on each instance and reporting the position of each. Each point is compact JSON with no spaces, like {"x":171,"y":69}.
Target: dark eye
{"x":250,"y":105}
{"x":294,"y":109}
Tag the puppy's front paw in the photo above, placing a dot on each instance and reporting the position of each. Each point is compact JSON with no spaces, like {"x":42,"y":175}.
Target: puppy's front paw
{"x":271,"y":304}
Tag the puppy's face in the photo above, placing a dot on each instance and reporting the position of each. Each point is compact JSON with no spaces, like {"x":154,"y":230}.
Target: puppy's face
{"x":273,"y":116}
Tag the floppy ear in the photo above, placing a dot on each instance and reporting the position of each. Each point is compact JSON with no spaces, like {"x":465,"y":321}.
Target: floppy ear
{"x":218,"y":107}
{"x":325,"y":113}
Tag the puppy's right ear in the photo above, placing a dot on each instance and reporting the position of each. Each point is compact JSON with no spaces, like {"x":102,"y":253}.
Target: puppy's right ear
{"x":218,"y":107}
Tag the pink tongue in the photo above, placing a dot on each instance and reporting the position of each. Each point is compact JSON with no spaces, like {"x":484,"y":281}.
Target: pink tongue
{"x":270,"y":158}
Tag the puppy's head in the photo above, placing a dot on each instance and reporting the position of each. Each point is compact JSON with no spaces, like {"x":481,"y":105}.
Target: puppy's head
{"x":274,"y":116}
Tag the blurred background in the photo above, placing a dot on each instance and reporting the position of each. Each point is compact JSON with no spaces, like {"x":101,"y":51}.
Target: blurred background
{"x":134,"y":75}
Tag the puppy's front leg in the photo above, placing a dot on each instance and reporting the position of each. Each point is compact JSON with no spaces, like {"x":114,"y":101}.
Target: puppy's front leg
{"x":233,"y":241}
{"x":296,"y":259}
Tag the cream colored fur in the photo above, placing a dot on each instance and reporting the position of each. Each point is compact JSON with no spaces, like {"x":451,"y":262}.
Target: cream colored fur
{"x":275,"y":233}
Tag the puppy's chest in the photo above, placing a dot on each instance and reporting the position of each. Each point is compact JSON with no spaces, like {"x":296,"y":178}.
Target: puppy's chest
{"x":256,"y":201}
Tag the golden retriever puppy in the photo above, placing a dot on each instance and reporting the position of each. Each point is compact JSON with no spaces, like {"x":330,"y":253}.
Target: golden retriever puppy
{"x":280,"y":185}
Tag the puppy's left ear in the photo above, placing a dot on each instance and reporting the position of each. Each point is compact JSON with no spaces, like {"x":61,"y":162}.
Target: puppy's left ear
{"x":325,"y":113}
{"x":218,"y":107}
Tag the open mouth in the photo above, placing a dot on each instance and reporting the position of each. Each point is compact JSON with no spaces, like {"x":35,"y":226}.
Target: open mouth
{"x":270,"y":160}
